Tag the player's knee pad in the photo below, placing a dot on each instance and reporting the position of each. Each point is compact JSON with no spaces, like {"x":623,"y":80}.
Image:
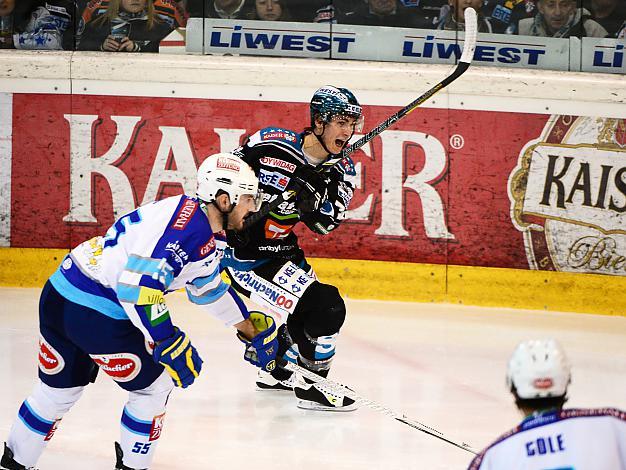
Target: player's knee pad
{"x":52,"y":403}
{"x":316,"y":323}
{"x":150,"y":401}
{"x":322,"y":310}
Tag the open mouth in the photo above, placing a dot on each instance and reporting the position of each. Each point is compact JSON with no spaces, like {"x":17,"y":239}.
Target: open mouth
{"x":339,"y":143}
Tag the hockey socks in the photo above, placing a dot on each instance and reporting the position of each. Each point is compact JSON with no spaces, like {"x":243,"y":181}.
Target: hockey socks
{"x":37,"y":420}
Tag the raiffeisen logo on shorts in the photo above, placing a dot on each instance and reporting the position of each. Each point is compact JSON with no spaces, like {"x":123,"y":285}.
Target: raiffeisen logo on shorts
{"x":568,"y":196}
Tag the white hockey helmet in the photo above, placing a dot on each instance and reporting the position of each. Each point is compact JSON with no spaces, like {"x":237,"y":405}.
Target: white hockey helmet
{"x":539,"y":369}
{"x":228,"y":173}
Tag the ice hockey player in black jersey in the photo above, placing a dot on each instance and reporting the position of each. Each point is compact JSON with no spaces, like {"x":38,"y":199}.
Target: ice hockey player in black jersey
{"x":270,"y":268}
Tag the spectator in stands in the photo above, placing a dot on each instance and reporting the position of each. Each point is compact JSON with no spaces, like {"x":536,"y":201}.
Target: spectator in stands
{"x":6,"y":23}
{"x":125,"y":26}
{"x":610,"y":14}
{"x":305,"y":11}
{"x":384,"y":13}
{"x":505,"y":16}
{"x":39,"y":24}
{"x":226,"y":9}
{"x":452,"y":16}
{"x":271,"y":10}
{"x":561,"y":19}
{"x":325,"y":14}
{"x":168,"y":11}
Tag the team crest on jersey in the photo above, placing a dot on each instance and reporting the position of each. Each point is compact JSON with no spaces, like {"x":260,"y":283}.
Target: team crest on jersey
{"x":157,"y":427}
{"x":184,"y":214}
{"x":121,"y":367}
{"x":50,"y":361}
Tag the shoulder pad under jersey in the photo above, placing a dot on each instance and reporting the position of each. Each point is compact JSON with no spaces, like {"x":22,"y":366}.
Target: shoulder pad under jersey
{"x":276,"y":134}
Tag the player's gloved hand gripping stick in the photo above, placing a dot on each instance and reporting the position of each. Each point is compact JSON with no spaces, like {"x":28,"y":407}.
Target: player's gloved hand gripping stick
{"x":261,"y":350}
{"x":471,"y":29}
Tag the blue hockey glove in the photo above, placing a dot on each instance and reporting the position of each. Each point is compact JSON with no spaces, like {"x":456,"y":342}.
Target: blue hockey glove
{"x":179,"y":357}
{"x":261,"y":350}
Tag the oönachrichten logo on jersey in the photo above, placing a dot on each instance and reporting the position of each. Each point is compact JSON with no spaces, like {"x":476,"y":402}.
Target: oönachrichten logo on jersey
{"x":568,"y":196}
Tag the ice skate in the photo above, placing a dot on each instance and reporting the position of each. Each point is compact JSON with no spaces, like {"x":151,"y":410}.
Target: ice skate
{"x":9,"y":463}
{"x":267,"y":382}
{"x":319,"y":397}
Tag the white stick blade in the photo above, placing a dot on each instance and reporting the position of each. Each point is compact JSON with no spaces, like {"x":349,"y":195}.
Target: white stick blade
{"x":471,"y":31}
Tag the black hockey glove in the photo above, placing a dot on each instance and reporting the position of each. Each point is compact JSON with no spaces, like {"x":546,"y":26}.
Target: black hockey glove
{"x":311,"y":188}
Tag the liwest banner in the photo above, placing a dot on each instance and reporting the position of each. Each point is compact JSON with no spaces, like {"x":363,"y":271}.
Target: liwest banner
{"x":473,"y":188}
{"x":425,"y":46}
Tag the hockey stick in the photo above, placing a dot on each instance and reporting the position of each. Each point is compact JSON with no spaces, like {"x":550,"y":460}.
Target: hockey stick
{"x":471,"y":29}
{"x":337,"y":388}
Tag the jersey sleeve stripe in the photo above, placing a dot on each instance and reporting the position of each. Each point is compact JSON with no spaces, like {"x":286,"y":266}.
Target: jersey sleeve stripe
{"x":210,"y":296}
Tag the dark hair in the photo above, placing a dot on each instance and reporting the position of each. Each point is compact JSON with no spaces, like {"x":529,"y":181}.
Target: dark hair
{"x":541,"y":403}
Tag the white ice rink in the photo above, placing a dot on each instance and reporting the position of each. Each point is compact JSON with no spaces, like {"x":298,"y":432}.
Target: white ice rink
{"x":442,"y":365}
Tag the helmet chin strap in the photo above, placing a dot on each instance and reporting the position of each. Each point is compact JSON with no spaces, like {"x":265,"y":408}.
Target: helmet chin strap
{"x":225,"y":214}
{"x":321,"y":141}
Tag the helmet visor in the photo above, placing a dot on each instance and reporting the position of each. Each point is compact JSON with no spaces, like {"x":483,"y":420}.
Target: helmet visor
{"x":353,"y":120}
{"x":257,"y":199}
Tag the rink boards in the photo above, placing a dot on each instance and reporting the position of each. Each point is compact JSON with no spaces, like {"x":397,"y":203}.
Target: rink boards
{"x":482,"y":196}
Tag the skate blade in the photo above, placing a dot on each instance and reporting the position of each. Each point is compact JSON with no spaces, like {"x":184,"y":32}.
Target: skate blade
{"x":314,"y":406}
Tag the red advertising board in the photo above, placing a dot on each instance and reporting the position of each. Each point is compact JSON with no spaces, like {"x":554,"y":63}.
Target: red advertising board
{"x":434,"y":189}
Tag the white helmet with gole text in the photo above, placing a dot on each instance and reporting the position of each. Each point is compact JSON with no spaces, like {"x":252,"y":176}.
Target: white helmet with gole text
{"x":225,"y":172}
{"x":539,"y":369}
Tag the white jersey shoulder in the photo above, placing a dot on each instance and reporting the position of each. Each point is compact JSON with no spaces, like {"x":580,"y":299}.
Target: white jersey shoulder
{"x":574,"y":439}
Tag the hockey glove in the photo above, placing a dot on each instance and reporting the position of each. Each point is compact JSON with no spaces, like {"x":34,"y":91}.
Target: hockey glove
{"x":261,"y":350}
{"x":179,"y":357}
{"x":312,"y":188}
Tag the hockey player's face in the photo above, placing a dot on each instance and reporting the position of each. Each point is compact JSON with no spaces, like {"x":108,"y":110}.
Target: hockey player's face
{"x":246,"y":205}
{"x":337,"y":133}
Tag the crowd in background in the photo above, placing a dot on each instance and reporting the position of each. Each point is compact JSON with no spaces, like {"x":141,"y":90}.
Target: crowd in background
{"x":139,"y":25}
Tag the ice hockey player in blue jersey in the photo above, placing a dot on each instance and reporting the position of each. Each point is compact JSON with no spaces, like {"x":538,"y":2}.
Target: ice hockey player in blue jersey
{"x":267,"y":264}
{"x":551,"y":437}
{"x":104,"y":309}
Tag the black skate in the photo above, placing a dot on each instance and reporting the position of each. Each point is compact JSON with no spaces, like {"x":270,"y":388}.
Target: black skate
{"x":119,"y":456}
{"x":318,"y":397}
{"x":266,"y":381}
{"x":9,"y":463}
